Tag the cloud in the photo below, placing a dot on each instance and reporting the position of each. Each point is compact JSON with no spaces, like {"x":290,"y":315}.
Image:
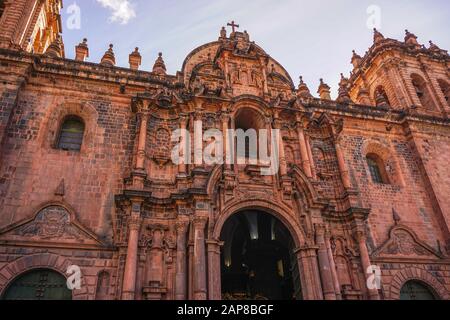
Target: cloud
{"x":122,"y":10}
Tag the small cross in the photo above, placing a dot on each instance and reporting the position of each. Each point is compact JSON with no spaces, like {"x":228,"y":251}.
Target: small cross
{"x":233,"y":25}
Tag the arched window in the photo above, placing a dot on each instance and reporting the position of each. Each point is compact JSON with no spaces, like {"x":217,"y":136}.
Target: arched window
{"x":41,"y":284}
{"x":377,"y":169}
{"x":248,"y":122}
{"x":103,"y":286}
{"x":422,"y":91}
{"x":445,"y":88}
{"x":381,"y":97}
{"x":71,"y":134}
{"x":416,"y":290}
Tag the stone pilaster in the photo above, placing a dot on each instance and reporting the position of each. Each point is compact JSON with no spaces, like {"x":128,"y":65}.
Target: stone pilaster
{"x":200,"y":289}
{"x":306,"y":161}
{"x":181,"y":269}
{"x":365,"y":260}
{"x":324,"y":264}
{"x":129,"y":278}
{"x":214,"y":270}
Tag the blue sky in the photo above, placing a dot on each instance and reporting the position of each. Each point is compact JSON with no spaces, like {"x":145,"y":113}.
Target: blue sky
{"x":309,"y":38}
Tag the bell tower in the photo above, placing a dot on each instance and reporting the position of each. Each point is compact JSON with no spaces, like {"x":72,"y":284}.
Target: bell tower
{"x":402,"y":75}
{"x":31,"y":25}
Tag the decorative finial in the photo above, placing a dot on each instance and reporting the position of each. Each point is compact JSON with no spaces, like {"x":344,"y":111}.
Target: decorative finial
{"x":223,"y":33}
{"x":301,"y":80}
{"x":109,"y":59}
{"x":135,"y":59}
{"x":159,"y":66}
{"x":396,"y":217}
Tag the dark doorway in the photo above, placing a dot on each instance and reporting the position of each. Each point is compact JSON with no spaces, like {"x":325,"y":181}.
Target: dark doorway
{"x":257,"y":259}
{"x":416,"y":290}
{"x":41,"y":284}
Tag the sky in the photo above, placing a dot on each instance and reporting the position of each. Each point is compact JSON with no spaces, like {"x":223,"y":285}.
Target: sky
{"x":312,"y":38}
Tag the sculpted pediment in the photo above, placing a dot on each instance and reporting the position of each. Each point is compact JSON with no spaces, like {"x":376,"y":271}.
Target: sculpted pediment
{"x":403,"y":243}
{"x":52,"y":224}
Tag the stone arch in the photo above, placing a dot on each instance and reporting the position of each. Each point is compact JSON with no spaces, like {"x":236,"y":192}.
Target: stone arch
{"x":304,"y":185}
{"x":387,"y":159}
{"x":54,"y":262}
{"x":259,"y":107}
{"x":381,"y":97}
{"x":102,"y":286}
{"x":278,"y":211}
{"x":445,"y":89}
{"x":423,"y":91}
{"x":55,"y":116}
{"x":389,"y":93}
{"x":411,"y":274}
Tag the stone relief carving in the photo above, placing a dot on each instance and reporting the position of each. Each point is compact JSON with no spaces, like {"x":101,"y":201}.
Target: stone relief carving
{"x":403,"y":242}
{"x":51,"y":223}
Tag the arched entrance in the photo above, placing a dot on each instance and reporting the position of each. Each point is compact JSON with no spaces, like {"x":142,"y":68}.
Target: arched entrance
{"x":257,"y":258}
{"x":417,"y":290}
{"x":38,"y":284}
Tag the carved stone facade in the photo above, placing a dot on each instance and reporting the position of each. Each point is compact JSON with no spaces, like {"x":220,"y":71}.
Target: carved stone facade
{"x":142,"y":227}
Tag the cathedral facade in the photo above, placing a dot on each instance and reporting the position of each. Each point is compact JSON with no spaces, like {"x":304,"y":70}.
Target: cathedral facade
{"x":359,"y":208}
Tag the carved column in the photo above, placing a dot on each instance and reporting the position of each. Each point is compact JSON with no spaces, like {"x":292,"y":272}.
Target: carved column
{"x":342,"y":166}
{"x":282,"y":156}
{"x":324,"y":264}
{"x":263,"y":61}
{"x":306,"y":161}
{"x":191,"y":270}
{"x":365,"y":261}
{"x":154,"y":286}
{"x":143,"y":114}
{"x":181,"y":276}
{"x":200,"y":289}
{"x":337,"y":286}
{"x":227,"y":150}
{"x":129,"y":278}
{"x":309,"y":273}
{"x":311,"y":158}
{"x":185,"y":143}
{"x":214,"y":280}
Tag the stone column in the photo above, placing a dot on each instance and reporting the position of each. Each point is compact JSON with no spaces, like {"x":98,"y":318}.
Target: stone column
{"x":181,"y":274}
{"x":129,"y":277}
{"x":263,"y":63}
{"x":225,"y":117}
{"x":345,"y":176}
{"x":200,"y":289}
{"x":311,"y":158}
{"x":214,"y":272}
{"x":281,"y":153}
{"x":337,"y":286}
{"x":365,"y":261}
{"x":185,"y":150}
{"x":309,"y":273}
{"x":324,"y":264}
{"x":306,"y":161}
{"x":191,"y":270}
{"x":140,"y":159}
